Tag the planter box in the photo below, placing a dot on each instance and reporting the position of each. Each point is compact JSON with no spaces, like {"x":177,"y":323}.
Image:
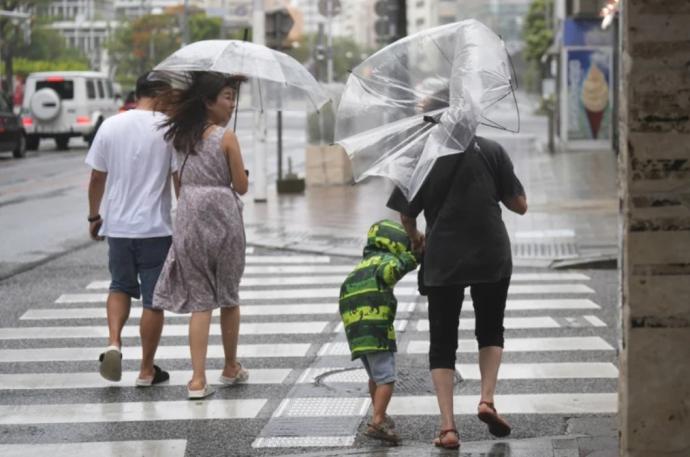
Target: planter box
{"x":327,"y":165}
{"x":290,"y":186}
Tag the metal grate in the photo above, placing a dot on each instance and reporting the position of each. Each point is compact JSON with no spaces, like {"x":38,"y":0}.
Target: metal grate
{"x":557,"y":250}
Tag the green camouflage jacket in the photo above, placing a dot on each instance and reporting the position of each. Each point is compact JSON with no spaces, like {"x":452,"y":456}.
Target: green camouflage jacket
{"x":367,"y":303}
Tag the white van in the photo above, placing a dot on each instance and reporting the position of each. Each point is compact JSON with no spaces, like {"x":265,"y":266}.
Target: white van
{"x":65,"y":104}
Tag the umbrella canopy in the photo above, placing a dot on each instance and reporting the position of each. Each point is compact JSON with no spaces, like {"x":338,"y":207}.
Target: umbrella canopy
{"x":278,"y":81}
{"x":423,"y":97}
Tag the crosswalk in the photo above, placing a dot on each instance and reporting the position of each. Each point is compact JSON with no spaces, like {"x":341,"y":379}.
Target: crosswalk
{"x":304,"y":391}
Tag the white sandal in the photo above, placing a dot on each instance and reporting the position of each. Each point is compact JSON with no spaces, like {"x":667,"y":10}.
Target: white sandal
{"x":200,"y":394}
{"x":241,"y":377}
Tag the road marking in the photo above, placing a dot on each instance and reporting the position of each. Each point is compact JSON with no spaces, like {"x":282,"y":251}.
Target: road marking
{"x":322,"y":407}
{"x":595,"y":321}
{"x":311,"y":308}
{"x":167,"y":448}
{"x":247,"y":310}
{"x":304,"y":441}
{"x":508,"y":323}
{"x":75,"y":354}
{"x":89,"y":380}
{"x":563,"y":233}
{"x":264,"y":259}
{"x":574,"y":343}
{"x":130,"y":411}
{"x":321,"y":279}
{"x":567,"y":403}
{"x":346,"y":269}
{"x":567,"y":370}
{"x":334,"y":293}
{"x":271,"y":294}
{"x":570,"y":343}
{"x":540,"y":304}
{"x":399,"y":324}
{"x":132,"y":331}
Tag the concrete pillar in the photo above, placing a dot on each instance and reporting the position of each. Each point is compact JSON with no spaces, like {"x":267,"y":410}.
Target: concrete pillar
{"x":655,"y":198}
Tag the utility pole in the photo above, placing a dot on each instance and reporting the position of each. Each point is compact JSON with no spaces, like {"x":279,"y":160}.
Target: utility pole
{"x":6,"y":47}
{"x":260,"y":181}
{"x":329,"y":45}
{"x":185,"y":23}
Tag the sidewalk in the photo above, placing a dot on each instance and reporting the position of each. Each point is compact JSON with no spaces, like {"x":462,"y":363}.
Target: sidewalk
{"x":573,"y":205}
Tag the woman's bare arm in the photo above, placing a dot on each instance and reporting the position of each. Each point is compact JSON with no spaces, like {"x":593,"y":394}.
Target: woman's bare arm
{"x":517,"y":204}
{"x":240,"y":181}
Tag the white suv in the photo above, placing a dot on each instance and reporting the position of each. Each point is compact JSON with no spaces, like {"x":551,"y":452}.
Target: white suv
{"x":65,"y":104}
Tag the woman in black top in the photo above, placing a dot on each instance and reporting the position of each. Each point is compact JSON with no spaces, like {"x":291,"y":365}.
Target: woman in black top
{"x":466,"y":244}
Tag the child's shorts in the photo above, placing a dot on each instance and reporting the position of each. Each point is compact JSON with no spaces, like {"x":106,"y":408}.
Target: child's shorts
{"x":380,"y":367}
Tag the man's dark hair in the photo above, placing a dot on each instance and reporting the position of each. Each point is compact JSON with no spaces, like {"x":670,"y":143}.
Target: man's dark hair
{"x":149,"y":88}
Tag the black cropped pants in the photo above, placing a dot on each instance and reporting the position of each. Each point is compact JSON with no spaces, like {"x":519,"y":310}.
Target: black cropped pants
{"x":445,"y":303}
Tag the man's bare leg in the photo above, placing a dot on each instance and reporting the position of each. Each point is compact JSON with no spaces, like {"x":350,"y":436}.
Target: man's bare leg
{"x":150,"y":329}
{"x":117,"y":308}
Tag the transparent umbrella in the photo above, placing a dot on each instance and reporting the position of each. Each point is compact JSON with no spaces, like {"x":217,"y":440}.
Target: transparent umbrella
{"x":279,"y":81}
{"x":423,"y":97}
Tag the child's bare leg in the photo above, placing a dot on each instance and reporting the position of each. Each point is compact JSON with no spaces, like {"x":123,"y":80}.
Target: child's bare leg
{"x":372,"y":390}
{"x":382,"y":396}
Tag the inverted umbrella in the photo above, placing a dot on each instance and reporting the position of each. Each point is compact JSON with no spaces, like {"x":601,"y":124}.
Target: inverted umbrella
{"x":278,"y":80}
{"x":423,"y":97}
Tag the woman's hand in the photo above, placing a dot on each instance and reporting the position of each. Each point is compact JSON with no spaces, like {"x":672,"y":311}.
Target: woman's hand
{"x":418,"y":243}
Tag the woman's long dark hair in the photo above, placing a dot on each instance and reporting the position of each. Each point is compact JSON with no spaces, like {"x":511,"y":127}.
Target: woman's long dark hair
{"x":186,"y":109}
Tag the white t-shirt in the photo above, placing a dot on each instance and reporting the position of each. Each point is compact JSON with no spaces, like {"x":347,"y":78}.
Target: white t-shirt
{"x":137,"y":201}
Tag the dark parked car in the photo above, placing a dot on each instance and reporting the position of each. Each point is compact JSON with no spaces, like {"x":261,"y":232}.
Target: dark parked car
{"x":12,"y":135}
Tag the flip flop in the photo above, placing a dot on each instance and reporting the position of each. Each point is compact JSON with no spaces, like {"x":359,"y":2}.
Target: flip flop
{"x":241,"y":377}
{"x":111,"y":363}
{"x":383,"y":432}
{"x":438,"y":442}
{"x":159,"y":377}
{"x":497,"y":425}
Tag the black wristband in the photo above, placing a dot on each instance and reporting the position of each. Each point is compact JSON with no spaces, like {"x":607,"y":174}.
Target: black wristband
{"x":95,"y":218}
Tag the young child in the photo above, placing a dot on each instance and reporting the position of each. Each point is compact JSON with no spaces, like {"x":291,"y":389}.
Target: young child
{"x":367,"y":308}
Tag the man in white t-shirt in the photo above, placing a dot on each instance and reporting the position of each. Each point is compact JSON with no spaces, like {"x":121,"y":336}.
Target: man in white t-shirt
{"x":129,"y":205}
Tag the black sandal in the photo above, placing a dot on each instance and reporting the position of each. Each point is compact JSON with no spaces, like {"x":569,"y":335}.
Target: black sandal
{"x":159,"y":377}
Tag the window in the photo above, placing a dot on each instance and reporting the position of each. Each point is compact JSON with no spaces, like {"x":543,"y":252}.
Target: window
{"x":420,"y":4}
{"x":90,"y":89}
{"x":101,"y":92}
{"x":109,"y":88}
{"x":419,"y":22}
{"x":4,"y":106}
{"x":63,"y":87}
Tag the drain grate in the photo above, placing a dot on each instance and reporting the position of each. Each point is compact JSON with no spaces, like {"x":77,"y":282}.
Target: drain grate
{"x":554,"y":250}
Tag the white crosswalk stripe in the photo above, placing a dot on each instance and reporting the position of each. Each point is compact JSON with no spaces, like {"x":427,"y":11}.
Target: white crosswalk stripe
{"x":130,"y":411}
{"x":318,"y":278}
{"x":92,"y":380}
{"x":66,"y":354}
{"x":574,"y":370}
{"x":333,"y":293}
{"x":576,"y":343}
{"x":317,"y":308}
{"x":167,"y":448}
{"x":547,"y":309}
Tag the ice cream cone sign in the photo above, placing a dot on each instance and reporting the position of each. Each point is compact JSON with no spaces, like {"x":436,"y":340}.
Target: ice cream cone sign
{"x":595,"y":97}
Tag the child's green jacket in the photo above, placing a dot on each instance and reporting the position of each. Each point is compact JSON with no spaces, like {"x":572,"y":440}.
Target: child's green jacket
{"x":367,"y":303}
